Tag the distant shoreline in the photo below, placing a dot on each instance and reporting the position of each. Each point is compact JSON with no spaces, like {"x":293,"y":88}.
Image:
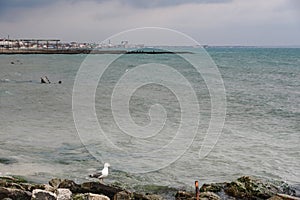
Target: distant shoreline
{"x":82,"y":51}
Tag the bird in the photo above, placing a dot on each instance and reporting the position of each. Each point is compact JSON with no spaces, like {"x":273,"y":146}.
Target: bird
{"x":102,"y":174}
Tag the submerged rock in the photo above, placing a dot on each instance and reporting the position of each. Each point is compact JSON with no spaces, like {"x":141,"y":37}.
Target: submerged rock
{"x":8,"y":161}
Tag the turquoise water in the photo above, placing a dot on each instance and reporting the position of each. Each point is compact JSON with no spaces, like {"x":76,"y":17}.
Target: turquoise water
{"x":260,"y":137}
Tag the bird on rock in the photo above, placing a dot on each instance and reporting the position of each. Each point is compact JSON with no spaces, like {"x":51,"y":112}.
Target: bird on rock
{"x":102,"y":174}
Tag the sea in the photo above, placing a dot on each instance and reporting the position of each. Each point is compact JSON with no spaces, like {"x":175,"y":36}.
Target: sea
{"x":156,"y":118}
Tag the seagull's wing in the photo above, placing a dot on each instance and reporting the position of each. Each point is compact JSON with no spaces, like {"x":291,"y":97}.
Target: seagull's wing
{"x":96,"y":175}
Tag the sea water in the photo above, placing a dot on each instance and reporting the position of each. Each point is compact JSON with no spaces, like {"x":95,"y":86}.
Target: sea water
{"x":260,"y":137}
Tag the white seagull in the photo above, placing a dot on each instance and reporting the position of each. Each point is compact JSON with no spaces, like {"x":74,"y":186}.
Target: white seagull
{"x":102,"y":174}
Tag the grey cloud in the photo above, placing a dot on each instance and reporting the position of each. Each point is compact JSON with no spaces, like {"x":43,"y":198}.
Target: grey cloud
{"x":166,"y":3}
{"x":10,"y":9}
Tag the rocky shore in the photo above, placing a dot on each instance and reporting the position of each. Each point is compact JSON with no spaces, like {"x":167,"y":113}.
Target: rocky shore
{"x":17,"y":188}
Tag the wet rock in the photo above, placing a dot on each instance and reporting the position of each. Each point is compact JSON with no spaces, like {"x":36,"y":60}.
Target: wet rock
{"x":154,"y":197}
{"x":13,"y":179}
{"x":183,"y":195}
{"x":209,"y":196}
{"x":7,"y":161}
{"x":247,"y":188}
{"x":123,"y":195}
{"x":63,"y":194}
{"x":71,"y":185}
{"x":90,"y":196}
{"x":99,"y":188}
{"x":97,"y":197}
{"x":39,"y":194}
{"x":15,"y":194}
{"x":55,"y":182}
{"x":214,"y":187}
{"x":283,"y":197}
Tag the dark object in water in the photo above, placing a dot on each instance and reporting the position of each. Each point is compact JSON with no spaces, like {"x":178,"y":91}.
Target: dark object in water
{"x":45,"y":80}
{"x":12,"y":63}
{"x":59,"y":82}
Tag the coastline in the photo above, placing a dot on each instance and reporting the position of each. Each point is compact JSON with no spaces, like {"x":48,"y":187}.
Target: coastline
{"x":246,"y":187}
{"x":85,"y":51}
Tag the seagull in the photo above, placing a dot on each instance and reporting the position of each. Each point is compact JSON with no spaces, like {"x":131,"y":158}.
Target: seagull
{"x":102,"y":174}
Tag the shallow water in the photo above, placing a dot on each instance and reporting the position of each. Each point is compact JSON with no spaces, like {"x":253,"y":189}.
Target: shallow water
{"x":260,"y":136}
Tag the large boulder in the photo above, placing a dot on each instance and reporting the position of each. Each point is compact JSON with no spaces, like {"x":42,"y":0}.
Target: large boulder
{"x":15,"y":194}
{"x":99,"y":188}
{"x":250,"y":188}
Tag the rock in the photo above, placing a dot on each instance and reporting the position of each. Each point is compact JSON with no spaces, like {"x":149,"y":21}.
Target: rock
{"x":31,"y":187}
{"x":15,"y":194}
{"x":90,"y":196}
{"x":48,"y":188}
{"x":183,"y":195}
{"x":71,"y":185}
{"x":63,"y":194}
{"x":283,"y":197}
{"x":55,"y":182}
{"x":209,"y":196}
{"x":213,"y":187}
{"x":154,"y":197}
{"x":247,"y":187}
{"x":97,"y":197}
{"x":7,"y":161}
{"x":45,"y":79}
{"x":39,"y":194}
{"x":99,"y":188}
{"x":123,"y":195}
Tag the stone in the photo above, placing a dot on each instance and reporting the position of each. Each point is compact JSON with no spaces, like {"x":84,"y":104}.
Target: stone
{"x":183,"y":195}
{"x":71,"y":185}
{"x":154,"y":197}
{"x":63,"y":194}
{"x":247,"y":187}
{"x":90,"y":196}
{"x":39,"y":194}
{"x":99,"y":188}
{"x":15,"y":194}
{"x":123,"y":195}
{"x":209,"y":196}
{"x":213,"y":187}
{"x":55,"y":182}
{"x":283,"y":197}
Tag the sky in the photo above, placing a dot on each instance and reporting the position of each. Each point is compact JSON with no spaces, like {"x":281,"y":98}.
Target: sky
{"x":212,"y":22}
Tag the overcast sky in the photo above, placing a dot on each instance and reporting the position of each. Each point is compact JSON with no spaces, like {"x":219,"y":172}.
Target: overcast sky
{"x":213,"y":22}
